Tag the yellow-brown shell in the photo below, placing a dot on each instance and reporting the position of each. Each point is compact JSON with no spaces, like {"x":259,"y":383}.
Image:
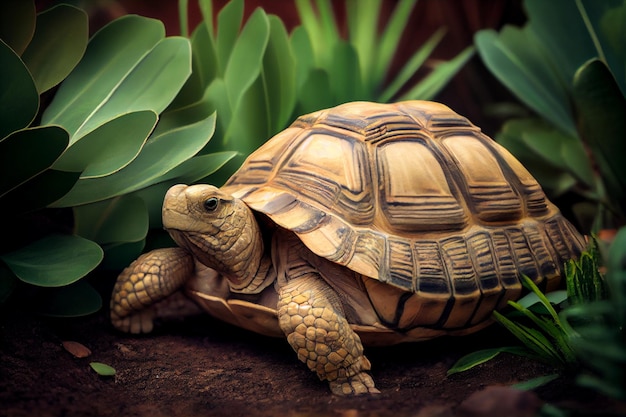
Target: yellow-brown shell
{"x":411,"y":194}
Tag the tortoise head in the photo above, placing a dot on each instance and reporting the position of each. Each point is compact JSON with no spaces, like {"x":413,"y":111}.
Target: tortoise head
{"x":218,"y":229}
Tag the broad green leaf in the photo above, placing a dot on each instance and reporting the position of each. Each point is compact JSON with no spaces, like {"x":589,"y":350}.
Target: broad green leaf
{"x":17,"y":23}
{"x":173,"y":119}
{"x":54,"y":261}
{"x":19,"y":99}
{"x":249,"y":126}
{"x":315,"y":94}
{"x":28,"y":152}
{"x":613,"y":36}
{"x":279,"y":77}
{"x":518,"y":60}
{"x":204,"y":67}
{"x":38,"y":192}
{"x":390,"y":39}
{"x":218,"y":98}
{"x":160,"y":154}
{"x":244,"y":65}
{"x":569,"y":43}
{"x":553,"y":178}
{"x":119,"y":219}
{"x":110,"y":147}
{"x":345,"y":81}
{"x":439,"y":77}
{"x":112,"y":54}
{"x":228,"y":25}
{"x":302,"y":50}
{"x":362,"y":27}
{"x":102,"y":369}
{"x":151,"y":85}
{"x":413,"y":64}
{"x":74,"y":300}
{"x":59,"y":43}
{"x":559,"y":149}
{"x":601,"y":107}
{"x":198,"y":167}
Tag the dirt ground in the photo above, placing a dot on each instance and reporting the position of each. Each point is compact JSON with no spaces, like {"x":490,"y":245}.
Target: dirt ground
{"x":205,"y":368}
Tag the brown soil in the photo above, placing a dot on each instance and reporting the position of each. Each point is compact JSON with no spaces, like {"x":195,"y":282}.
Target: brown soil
{"x":206,"y":368}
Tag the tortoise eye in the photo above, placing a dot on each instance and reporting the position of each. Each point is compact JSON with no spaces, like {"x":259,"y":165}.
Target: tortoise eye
{"x":210,"y":204}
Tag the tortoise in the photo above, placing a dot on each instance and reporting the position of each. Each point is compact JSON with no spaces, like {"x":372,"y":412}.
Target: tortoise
{"x":361,"y":224}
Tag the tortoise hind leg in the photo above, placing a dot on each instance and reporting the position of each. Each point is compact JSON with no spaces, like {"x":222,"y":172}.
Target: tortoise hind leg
{"x":144,"y":284}
{"x":311,"y":316}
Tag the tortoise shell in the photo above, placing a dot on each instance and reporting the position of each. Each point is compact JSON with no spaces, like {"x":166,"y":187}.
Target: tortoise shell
{"x":413,"y":195}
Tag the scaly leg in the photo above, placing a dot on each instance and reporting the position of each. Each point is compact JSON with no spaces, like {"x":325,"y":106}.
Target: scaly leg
{"x":142,"y":285}
{"x":311,"y":316}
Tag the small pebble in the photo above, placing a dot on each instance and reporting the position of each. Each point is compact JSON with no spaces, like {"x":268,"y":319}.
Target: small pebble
{"x":78,"y":350}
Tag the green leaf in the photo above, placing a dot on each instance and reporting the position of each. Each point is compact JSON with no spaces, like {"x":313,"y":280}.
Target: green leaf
{"x":279,"y":77}
{"x":102,"y":369}
{"x":120,"y":219}
{"x":19,"y":99}
{"x":553,"y":178}
{"x":110,"y":147}
{"x":228,"y":25}
{"x":315,"y":93}
{"x":602,"y":107}
{"x":362,"y":25}
{"x":244,"y":64}
{"x":518,"y":60}
{"x":128,"y":66}
{"x":54,"y":261}
{"x":59,"y":43}
{"x":26,"y":153}
{"x":439,"y":77}
{"x":413,"y":64}
{"x":390,"y":39}
{"x":301,"y":47}
{"x":160,"y":154}
{"x":345,"y":81}
{"x":74,"y":300}
{"x":481,"y":356}
{"x":249,"y":127}
{"x":570,"y":43}
{"x":17,"y":23}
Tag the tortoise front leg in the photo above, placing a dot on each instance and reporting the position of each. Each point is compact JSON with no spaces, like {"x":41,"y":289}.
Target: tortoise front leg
{"x":311,"y":316}
{"x":149,"y":279}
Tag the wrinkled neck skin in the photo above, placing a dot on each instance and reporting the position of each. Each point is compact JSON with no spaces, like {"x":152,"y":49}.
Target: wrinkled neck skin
{"x":233,"y":246}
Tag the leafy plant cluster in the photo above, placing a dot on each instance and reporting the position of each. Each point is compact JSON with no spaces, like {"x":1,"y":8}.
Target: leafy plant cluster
{"x":94,"y":130}
{"x":579,"y":331}
{"x":260,"y":78}
{"x":98,"y":147}
{"x":567,"y":65}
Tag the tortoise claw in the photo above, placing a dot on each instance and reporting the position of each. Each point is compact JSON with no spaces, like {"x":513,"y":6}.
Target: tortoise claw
{"x":138,"y":323}
{"x":359,"y":384}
